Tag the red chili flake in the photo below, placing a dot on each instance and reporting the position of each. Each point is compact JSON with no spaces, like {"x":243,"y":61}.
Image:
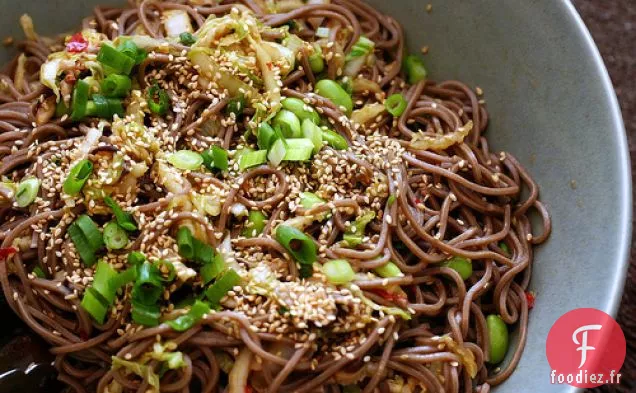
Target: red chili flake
{"x":418,"y":200}
{"x":270,"y":65}
{"x":383,"y":293}
{"x":77,"y":43}
{"x":530,"y":298}
{"x":248,"y":389}
{"x":7,"y":252}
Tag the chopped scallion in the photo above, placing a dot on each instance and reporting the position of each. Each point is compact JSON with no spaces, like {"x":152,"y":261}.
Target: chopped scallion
{"x":185,"y":160}
{"x":77,"y":177}
{"x":115,"y":237}
{"x":222,"y":286}
{"x":27,"y":191}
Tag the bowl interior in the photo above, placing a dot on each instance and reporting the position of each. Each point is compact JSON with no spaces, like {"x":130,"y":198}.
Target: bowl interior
{"x":551,"y":105}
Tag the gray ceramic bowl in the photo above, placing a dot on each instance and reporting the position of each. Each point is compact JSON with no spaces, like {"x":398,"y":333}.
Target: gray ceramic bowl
{"x":551,"y":104}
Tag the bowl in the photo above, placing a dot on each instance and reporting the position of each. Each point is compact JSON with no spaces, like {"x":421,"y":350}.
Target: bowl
{"x":551,"y":104}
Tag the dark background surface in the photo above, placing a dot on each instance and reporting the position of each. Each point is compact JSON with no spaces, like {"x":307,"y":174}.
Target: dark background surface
{"x":613,"y":26}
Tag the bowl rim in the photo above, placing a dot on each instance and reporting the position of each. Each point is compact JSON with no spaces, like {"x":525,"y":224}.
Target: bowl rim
{"x":624,"y":239}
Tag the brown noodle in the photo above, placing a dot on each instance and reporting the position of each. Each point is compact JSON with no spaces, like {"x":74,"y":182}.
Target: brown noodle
{"x":462,"y":201}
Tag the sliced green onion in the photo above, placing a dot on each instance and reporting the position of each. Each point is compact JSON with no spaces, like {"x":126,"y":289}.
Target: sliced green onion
{"x":38,"y":272}
{"x":130,"y":49}
{"x":203,"y":253}
{"x":312,"y":132}
{"x":355,"y":233}
{"x":185,"y":160}
{"x":236,"y":106}
{"x":391,"y":200}
{"x":211,"y":270}
{"x":187,"y":39}
{"x":136,"y":258}
{"x":158,"y":100}
{"x":185,"y":242}
{"x":90,"y":231}
{"x":215,"y":158}
{"x":85,"y":251}
{"x":461,"y":265}
{"x":78,"y":175}
{"x":27,"y":191}
{"x":332,"y":91}
{"x":79,"y":101}
{"x":414,"y":68}
{"x":302,"y":110}
{"x":298,"y":149}
{"x":104,"y":273}
{"x":169,"y":269}
{"x":115,"y":60}
{"x":222,"y":286}
{"x":288,"y":123}
{"x":504,"y":248}
{"x":94,"y":305}
{"x":146,"y":314}
{"x":309,"y":200}
{"x":265,"y":137}
{"x":316,"y":62}
{"x":252,"y":158}
{"x":103,"y":107}
{"x":277,"y":152}
{"x":395,"y":104}
{"x":387,"y":270}
{"x":335,"y":140}
{"x":338,"y":271}
{"x":306,"y":271}
{"x":126,"y":277}
{"x":124,"y":219}
{"x":99,"y":297}
{"x":255,"y":224}
{"x":185,"y":322}
{"x":148,"y":288}
{"x":362,"y":47}
{"x":116,"y":86}
{"x":87,"y":239}
{"x":115,"y":236}
{"x":298,"y":244}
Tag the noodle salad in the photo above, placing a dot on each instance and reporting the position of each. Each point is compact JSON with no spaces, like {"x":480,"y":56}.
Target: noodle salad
{"x":258,"y":196}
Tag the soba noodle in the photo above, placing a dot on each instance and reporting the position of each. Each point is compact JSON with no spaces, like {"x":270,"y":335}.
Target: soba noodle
{"x":436,"y":189}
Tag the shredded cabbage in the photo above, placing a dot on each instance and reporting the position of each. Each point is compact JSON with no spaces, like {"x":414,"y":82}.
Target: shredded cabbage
{"x":176,"y":22}
{"x":358,"y":56}
{"x":466,"y":356}
{"x":284,"y":57}
{"x":165,"y":353}
{"x":237,"y":380}
{"x":144,"y":371}
{"x":59,"y":62}
{"x":368,"y":113}
{"x":361,"y":85}
{"x":208,"y":67}
{"x":441,"y":142}
{"x":387,"y":310}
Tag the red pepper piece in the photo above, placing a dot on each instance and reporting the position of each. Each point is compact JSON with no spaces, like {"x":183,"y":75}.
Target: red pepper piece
{"x":77,"y":43}
{"x":7,"y":252}
{"x":530,"y":299}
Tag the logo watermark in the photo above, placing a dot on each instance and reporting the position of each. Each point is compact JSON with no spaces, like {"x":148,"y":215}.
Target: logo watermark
{"x":585,"y":348}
